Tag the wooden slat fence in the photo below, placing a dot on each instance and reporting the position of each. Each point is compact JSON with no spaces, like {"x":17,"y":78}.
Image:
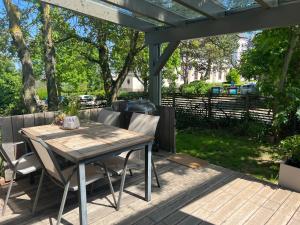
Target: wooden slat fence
{"x":218,"y":107}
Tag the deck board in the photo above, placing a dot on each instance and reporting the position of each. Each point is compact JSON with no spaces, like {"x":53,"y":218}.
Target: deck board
{"x":211,"y":195}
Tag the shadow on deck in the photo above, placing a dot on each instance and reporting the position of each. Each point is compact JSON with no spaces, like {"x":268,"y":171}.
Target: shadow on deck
{"x":210,"y":195}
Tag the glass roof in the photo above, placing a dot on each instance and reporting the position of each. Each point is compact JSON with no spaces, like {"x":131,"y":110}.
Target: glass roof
{"x":165,"y":13}
{"x":177,"y":8}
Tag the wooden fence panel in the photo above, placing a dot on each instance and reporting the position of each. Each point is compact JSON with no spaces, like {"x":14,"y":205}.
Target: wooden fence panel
{"x":217,"y":107}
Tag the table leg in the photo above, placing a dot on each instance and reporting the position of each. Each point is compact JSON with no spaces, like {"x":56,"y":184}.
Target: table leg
{"x":148,"y":171}
{"x":82,"y":194}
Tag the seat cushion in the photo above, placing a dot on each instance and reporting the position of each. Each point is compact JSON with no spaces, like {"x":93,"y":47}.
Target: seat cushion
{"x":92,"y":174}
{"x":116,"y":164}
{"x":28,"y":164}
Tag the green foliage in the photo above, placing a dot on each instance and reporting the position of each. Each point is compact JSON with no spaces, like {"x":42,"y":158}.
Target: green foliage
{"x":290,"y":149}
{"x":42,"y":93}
{"x":132,"y":95}
{"x":198,"y":87}
{"x":10,"y":86}
{"x":265,"y":62}
{"x":233,"y":76}
{"x":70,"y":105}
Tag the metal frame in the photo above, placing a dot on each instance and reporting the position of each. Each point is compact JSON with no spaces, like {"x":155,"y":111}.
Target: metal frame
{"x":14,"y":168}
{"x":101,"y":11}
{"x":252,"y":19}
{"x":149,"y":10}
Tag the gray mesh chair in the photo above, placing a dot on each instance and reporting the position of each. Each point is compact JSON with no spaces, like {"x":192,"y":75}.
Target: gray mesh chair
{"x":26,"y":164}
{"x":109,"y":117}
{"x":134,"y":159}
{"x":65,"y":178}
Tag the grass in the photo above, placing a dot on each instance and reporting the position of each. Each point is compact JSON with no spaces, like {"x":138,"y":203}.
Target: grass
{"x":220,"y":147}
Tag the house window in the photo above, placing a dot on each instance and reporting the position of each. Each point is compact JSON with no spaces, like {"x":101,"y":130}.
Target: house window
{"x":220,"y":75}
{"x":128,"y":81}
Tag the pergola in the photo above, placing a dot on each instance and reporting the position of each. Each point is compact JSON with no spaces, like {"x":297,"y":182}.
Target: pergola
{"x":174,"y":20}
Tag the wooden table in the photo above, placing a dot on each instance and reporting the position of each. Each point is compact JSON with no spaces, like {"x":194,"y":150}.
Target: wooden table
{"x":91,"y":142}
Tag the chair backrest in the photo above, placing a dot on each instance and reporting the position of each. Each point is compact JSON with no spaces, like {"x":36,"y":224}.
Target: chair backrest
{"x":108,"y":117}
{"x":5,"y":157}
{"x":143,"y":123}
{"x":46,"y":157}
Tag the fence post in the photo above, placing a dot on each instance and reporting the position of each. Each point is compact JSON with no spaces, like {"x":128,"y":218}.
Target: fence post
{"x":173,"y":100}
{"x":247,"y":108}
{"x":209,"y":106}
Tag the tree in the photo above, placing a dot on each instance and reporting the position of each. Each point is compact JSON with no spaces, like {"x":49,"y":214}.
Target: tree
{"x":14,"y":16}
{"x":111,"y":47}
{"x":274,"y":62}
{"x":49,"y":57}
{"x":233,"y":76}
{"x":205,"y":53}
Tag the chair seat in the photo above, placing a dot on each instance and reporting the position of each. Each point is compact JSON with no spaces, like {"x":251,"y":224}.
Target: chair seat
{"x":116,"y":164}
{"x":92,"y":174}
{"x":28,"y":164}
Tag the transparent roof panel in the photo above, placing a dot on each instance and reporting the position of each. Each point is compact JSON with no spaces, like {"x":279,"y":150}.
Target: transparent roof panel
{"x":238,"y":4}
{"x":129,"y":13}
{"x":177,"y":8}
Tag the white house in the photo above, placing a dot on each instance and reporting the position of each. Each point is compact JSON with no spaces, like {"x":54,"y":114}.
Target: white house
{"x":132,"y":84}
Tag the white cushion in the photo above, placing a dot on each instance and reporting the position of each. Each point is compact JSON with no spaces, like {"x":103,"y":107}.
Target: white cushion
{"x":92,"y":174}
{"x":28,"y":164}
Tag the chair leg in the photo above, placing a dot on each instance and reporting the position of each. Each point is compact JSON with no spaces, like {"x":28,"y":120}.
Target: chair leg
{"x":110,"y":185}
{"x":122,"y":186}
{"x":63,"y":201}
{"x":8,"y":192}
{"x":38,"y":192}
{"x":155,"y":173}
{"x":130,"y":172}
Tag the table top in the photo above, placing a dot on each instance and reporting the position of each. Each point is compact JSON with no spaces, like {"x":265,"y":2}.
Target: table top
{"x":90,"y":140}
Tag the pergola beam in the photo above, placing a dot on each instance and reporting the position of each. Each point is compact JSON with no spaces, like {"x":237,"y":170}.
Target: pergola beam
{"x":254,"y":19}
{"x":263,"y":4}
{"x":101,"y":11}
{"x":163,"y":59}
{"x":149,"y":10}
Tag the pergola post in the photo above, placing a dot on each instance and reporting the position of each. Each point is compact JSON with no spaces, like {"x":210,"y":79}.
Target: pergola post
{"x":156,"y":62}
{"x":155,"y":76}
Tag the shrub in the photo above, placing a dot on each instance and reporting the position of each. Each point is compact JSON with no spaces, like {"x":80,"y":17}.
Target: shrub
{"x":42,"y":93}
{"x":132,"y":95}
{"x":233,"y":76}
{"x":290,"y":149}
{"x":198,"y":87}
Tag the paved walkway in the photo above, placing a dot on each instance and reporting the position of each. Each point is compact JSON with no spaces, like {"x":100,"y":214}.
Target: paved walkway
{"x":211,"y":195}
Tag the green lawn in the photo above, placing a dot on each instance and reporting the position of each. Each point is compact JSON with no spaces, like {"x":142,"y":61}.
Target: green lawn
{"x":222,"y":148}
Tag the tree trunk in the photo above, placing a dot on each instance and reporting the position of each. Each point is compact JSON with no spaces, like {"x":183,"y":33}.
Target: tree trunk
{"x":49,"y":58}
{"x":208,"y":70}
{"x":287,"y":60}
{"x":14,"y":14}
{"x":126,"y":66}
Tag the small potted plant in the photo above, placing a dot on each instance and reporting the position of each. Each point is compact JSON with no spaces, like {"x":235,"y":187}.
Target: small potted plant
{"x":289,"y":172}
{"x":68,"y":119}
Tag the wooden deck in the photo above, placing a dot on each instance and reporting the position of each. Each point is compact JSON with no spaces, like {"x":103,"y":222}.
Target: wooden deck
{"x":206,"y":196}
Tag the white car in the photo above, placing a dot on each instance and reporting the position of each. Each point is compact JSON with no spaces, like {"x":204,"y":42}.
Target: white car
{"x":248,"y":89}
{"x":87,"y":100}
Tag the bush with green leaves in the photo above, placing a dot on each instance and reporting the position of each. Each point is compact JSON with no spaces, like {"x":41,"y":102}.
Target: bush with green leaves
{"x":233,"y":76}
{"x":11,"y":87}
{"x":198,"y":87}
{"x":290,"y":150}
